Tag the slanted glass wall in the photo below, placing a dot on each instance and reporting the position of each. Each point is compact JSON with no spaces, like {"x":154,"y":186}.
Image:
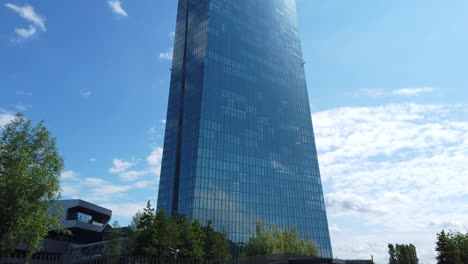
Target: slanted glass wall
{"x":247,"y":145}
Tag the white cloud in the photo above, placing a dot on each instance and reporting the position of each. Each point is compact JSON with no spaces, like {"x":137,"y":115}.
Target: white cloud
{"x":132,"y":175}
{"x":69,"y":189}
{"x":27,"y":12}
{"x":335,"y":229}
{"x":154,"y":167}
{"x":167,"y":55}
{"x":151,"y":131}
{"x":154,"y":160}
{"x":413,"y":91}
{"x":379,"y":92}
{"x":116,"y":7}
{"x":23,"y":93}
{"x":95,"y":181}
{"x":125,"y":209}
{"x":69,"y":175}
{"x":445,"y":224}
{"x":172,"y":34}
{"x":104,"y":191}
{"x":26,"y":33}
{"x":113,"y":189}
{"x":396,"y":169}
{"x":96,"y":189}
{"x":92,"y":159}
{"x":5,"y":117}
{"x":375,"y":92}
{"x":86,"y":93}
{"x":155,"y":157}
{"x":163,"y":121}
{"x":351,"y":202}
{"x":120,"y":166}
{"x":21,"y":107}
{"x":144,"y":184}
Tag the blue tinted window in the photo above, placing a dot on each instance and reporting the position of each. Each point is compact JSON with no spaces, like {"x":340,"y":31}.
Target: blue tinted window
{"x":239,"y":144}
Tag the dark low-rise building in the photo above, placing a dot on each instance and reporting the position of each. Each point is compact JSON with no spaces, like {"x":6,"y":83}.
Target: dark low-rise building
{"x":328,"y":261}
{"x":87,"y":222}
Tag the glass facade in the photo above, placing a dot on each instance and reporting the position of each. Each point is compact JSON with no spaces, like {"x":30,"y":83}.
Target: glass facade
{"x":239,"y":144}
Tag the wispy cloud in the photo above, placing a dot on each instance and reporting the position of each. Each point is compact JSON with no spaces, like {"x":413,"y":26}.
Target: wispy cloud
{"x":23,"y":93}
{"x":395,"y":168}
{"x":27,"y":12}
{"x":125,"y":209}
{"x":152,"y":131}
{"x":379,"y":92}
{"x":116,"y":7}
{"x":100,"y":190}
{"x":413,"y":91}
{"x":153,"y":167}
{"x":351,"y":202}
{"x":26,"y":33}
{"x":132,"y":175}
{"x":334,"y":228}
{"x":374,"y":92}
{"x":154,"y":161}
{"x":5,"y":117}
{"x":86,"y":93}
{"x":120,"y":166}
{"x":21,"y":107}
{"x":167,"y":55}
{"x":69,"y":175}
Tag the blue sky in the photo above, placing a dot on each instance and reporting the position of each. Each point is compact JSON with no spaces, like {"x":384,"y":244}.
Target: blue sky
{"x":387,"y":83}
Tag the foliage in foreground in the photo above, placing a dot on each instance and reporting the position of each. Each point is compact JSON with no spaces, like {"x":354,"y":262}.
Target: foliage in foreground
{"x":452,"y":248}
{"x":155,"y":233}
{"x":30,"y":168}
{"x":275,"y":241}
{"x":402,"y":254}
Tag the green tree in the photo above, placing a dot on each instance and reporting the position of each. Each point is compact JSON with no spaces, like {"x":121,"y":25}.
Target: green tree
{"x":135,"y":221}
{"x":391,"y":252}
{"x":185,"y":237}
{"x":198,"y":240}
{"x":452,"y":247}
{"x":30,"y":168}
{"x":275,"y":241}
{"x":114,"y":244}
{"x":129,"y":235}
{"x":263,"y":243}
{"x":461,"y":240}
{"x":167,"y":234}
{"x":145,"y":244}
{"x":448,"y":251}
{"x":156,"y":233}
{"x":216,"y":247}
{"x":402,"y":254}
{"x":412,"y":254}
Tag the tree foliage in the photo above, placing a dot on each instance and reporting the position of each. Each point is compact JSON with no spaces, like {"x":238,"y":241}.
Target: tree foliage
{"x":275,"y":241}
{"x":402,"y":254}
{"x":452,"y":247}
{"x":30,"y":168}
{"x":392,"y":255}
{"x":115,"y":240}
{"x":157,"y":232}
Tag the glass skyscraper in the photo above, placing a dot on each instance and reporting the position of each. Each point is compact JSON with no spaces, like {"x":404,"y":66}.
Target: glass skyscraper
{"x":239,"y":144}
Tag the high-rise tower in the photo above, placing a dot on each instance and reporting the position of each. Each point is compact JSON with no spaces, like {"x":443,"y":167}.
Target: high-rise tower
{"x":239,"y":144}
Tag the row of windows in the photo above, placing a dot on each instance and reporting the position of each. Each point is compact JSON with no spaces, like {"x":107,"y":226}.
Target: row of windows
{"x":250,"y":145}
